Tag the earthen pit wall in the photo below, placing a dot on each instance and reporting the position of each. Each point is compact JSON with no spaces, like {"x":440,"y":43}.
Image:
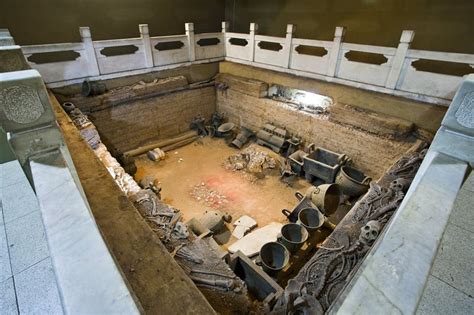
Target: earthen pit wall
{"x":135,"y":123}
{"x":423,"y":115}
{"x":370,"y":153}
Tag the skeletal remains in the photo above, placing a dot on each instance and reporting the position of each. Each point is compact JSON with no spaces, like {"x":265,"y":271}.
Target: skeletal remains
{"x":319,"y":282}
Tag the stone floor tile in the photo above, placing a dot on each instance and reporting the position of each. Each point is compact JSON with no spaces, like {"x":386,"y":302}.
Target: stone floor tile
{"x":440,"y":298}
{"x":453,"y":262}
{"x":5,"y":270}
{"x":37,"y":291}
{"x":18,"y":200}
{"x":26,"y":241}
{"x":11,"y":173}
{"x":469,"y":183}
{"x":463,"y":214}
{"x":1,"y":210}
{"x":8,"y":298}
{"x":463,"y":210}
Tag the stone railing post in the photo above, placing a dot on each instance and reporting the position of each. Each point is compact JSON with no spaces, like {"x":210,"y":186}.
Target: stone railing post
{"x":90,"y":52}
{"x":147,"y":49}
{"x":225,"y":29}
{"x":5,"y":38}
{"x":253,"y":31}
{"x":189,"y":27}
{"x":335,"y":49}
{"x":287,"y":47}
{"x":399,"y":59}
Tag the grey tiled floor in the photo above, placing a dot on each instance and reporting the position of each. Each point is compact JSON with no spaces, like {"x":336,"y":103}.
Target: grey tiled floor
{"x":27,"y":280}
{"x":450,"y":287}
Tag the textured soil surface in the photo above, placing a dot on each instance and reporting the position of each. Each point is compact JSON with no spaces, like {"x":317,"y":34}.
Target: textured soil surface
{"x":194,"y":179}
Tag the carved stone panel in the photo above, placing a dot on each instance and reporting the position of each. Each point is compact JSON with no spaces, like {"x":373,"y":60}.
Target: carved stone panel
{"x":21,"y":104}
{"x":465,"y":112}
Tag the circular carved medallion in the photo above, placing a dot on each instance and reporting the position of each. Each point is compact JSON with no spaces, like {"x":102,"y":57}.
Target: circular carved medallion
{"x":21,"y":104}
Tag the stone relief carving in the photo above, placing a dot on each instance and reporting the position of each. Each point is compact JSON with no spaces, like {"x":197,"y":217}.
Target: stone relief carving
{"x":320,"y":281}
{"x":465,"y":112}
{"x":21,"y":104}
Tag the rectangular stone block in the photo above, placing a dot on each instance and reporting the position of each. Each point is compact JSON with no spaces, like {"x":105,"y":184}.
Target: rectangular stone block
{"x":24,"y":103}
{"x":12,"y":59}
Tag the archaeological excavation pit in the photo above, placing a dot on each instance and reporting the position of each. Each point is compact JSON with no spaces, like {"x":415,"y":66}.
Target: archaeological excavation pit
{"x":224,"y":166}
{"x":254,"y":188}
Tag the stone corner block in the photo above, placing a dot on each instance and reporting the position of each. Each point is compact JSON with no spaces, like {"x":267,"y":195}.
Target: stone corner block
{"x":24,"y":101}
{"x":460,"y":115}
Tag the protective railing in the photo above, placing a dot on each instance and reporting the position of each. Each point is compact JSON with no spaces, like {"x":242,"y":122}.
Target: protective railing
{"x":383,"y":69}
{"x":390,"y":70}
{"x":119,"y":57}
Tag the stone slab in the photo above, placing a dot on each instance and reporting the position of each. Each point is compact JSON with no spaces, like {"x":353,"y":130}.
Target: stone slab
{"x":453,"y":263}
{"x":251,"y":243}
{"x":5,"y":269}
{"x":12,"y":59}
{"x":11,"y":173}
{"x":26,"y":241}
{"x":239,"y":231}
{"x":441,"y":298}
{"x":83,"y":266}
{"x":463,"y":214}
{"x":18,"y":200}
{"x":37,"y":291}
{"x":242,"y":226}
{"x":8,"y":298}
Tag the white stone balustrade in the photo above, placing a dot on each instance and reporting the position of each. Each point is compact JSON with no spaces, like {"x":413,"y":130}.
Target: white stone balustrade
{"x":394,"y":75}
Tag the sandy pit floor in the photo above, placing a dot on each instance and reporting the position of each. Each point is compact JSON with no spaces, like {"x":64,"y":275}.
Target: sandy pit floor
{"x":194,"y":179}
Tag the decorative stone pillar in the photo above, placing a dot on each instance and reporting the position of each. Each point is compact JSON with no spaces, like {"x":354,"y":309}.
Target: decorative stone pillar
{"x":189,"y":27}
{"x":399,"y":59}
{"x":253,"y":32}
{"x":225,"y":29}
{"x":335,"y":49}
{"x":147,"y":49}
{"x":92,"y":64}
{"x":288,"y":46}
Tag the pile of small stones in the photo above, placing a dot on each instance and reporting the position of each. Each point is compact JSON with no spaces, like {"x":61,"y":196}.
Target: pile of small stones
{"x":211,"y":198}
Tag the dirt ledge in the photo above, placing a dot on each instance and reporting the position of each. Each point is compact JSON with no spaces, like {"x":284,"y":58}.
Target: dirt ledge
{"x":158,"y":282}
